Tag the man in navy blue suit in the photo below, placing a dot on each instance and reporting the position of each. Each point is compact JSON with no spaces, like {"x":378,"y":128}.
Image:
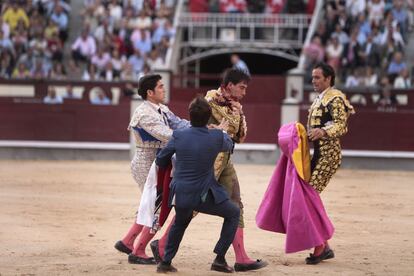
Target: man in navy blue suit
{"x":194,"y":187}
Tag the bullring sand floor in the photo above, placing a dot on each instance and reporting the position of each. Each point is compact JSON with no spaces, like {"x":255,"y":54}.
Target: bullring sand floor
{"x":63,"y":218}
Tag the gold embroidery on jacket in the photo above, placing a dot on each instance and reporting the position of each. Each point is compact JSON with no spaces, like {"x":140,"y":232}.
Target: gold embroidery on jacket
{"x":335,"y":104}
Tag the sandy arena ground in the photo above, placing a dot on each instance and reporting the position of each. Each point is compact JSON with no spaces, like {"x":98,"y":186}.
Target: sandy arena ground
{"x":63,"y":218}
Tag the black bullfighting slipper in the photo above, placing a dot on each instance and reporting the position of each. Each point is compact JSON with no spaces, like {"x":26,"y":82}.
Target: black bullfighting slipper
{"x":221,"y":267}
{"x":121,"y":247}
{"x":156,"y":251}
{"x":258,"y":264}
{"x":326,"y":254}
{"x":164,"y":268}
{"x":132,"y":259}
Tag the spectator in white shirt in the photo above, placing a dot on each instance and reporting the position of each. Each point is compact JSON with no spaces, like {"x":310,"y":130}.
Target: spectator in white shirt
{"x":137,"y":5}
{"x":5,"y":28}
{"x":128,"y":73}
{"x":51,"y":97}
{"x":70,"y":94}
{"x":376,"y":10}
{"x":129,"y":21}
{"x":100,"y":59}
{"x":154,"y":60}
{"x":351,"y":80}
{"x":108,"y":73}
{"x":83,"y":48}
{"x":118,"y":61}
{"x":403,"y":80}
{"x":100,"y":98}
{"x":38,"y":44}
{"x":371,"y":78}
{"x":90,"y":73}
{"x":103,"y":29}
{"x":5,"y":43}
{"x":334,"y":52}
{"x":143,"y":21}
{"x":115,"y":10}
{"x":355,"y":7}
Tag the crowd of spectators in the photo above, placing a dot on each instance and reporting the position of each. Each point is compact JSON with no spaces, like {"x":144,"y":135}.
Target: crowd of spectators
{"x":97,"y":96}
{"x":32,"y":37}
{"x":118,"y":39}
{"x":365,"y":41}
{"x":123,"y":39}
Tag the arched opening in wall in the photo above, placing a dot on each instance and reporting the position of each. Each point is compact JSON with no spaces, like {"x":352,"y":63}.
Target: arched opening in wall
{"x":258,"y":64}
{"x":212,"y":66}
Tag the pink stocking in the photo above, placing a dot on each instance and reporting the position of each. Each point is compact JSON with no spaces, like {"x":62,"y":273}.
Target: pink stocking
{"x":318,"y":250}
{"x":238,"y":246}
{"x":132,"y":234}
{"x":144,"y":239}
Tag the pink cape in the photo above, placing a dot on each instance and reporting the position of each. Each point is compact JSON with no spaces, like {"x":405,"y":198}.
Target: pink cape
{"x":290,"y":205}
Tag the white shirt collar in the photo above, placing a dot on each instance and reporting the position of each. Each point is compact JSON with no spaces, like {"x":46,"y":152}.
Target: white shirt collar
{"x":155,"y":106}
{"x":320,"y":96}
{"x":158,"y":106}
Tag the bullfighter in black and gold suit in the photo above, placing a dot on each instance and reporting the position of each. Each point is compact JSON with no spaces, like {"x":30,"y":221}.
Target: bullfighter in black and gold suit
{"x":327,"y":122}
{"x":328,"y":116}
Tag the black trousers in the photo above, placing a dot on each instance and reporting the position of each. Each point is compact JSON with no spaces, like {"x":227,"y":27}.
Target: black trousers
{"x":227,"y":210}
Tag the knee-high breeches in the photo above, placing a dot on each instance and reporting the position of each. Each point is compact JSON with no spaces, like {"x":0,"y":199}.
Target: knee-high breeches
{"x":227,"y":177}
{"x":325,"y":161}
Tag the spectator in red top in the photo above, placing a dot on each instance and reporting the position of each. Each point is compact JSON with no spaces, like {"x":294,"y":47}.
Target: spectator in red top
{"x":55,"y":47}
{"x":198,"y":5}
{"x":118,"y":43}
{"x":275,"y":6}
{"x":311,"y":6}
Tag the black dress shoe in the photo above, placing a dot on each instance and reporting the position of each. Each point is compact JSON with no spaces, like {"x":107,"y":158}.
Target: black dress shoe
{"x":132,"y":259}
{"x":164,"y":268}
{"x":326,"y":254}
{"x":258,"y":264}
{"x":121,"y":247}
{"x":156,"y":251}
{"x":221,"y":267}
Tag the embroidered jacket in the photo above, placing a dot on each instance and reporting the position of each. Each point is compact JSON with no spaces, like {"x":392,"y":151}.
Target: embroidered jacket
{"x":220,"y":109}
{"x":153,"y":128}
{"x":330,"y":113}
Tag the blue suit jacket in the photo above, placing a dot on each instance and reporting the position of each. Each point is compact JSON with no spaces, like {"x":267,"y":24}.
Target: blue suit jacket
{"x":196,"y":149}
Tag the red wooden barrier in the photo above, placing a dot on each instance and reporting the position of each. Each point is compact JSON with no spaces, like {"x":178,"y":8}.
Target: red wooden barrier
{"x":64,"y":122}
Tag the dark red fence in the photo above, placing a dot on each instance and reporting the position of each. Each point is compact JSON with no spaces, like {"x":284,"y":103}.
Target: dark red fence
{"x":27,"y":118}
{"x":64,"y":122}
{"x":376,"y":127}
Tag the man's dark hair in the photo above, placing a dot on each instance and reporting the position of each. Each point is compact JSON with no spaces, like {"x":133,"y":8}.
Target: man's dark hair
{"x":200,"y":112}
{"x":235,"y":76}
{"x":148,"y":82}
{"x":327,"y":71}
